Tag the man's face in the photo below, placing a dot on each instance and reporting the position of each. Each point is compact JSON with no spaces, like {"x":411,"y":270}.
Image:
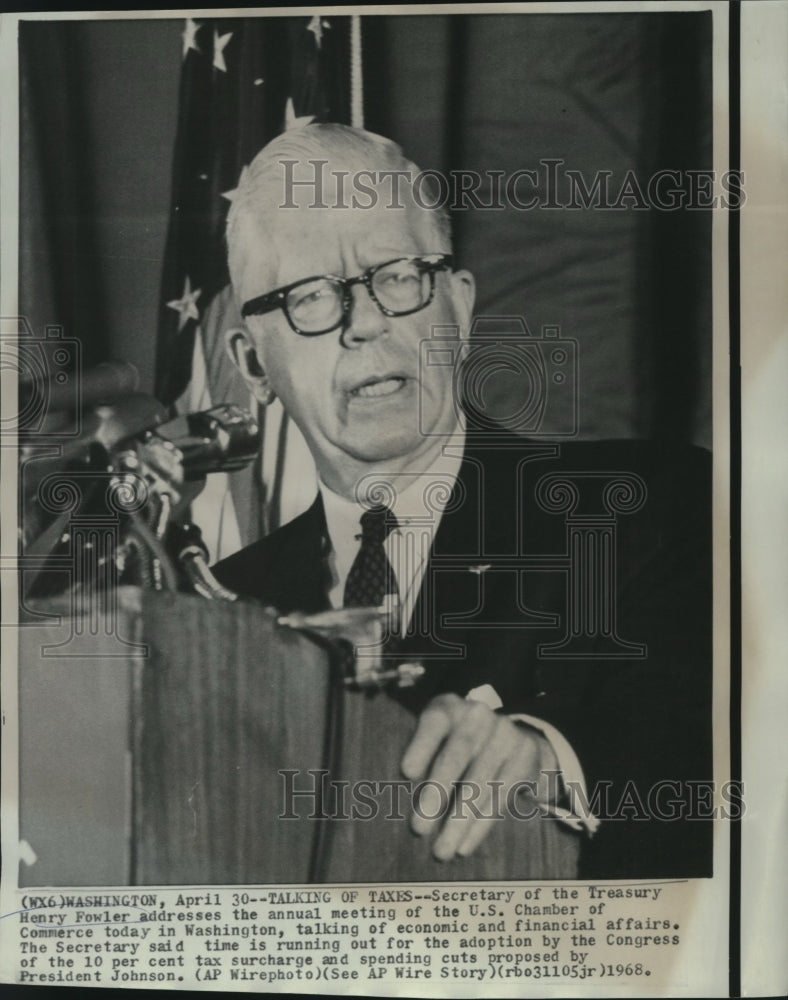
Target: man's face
{"x":358,"y":394}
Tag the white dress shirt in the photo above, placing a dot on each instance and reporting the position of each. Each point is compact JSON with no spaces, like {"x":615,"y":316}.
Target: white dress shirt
{"x":418,"y":502}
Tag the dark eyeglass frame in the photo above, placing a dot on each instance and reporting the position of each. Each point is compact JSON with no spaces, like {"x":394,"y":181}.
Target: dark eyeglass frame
{"x":277,"y":299}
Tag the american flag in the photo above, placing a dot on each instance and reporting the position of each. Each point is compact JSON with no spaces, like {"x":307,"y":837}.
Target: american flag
{"x":243,"y":81}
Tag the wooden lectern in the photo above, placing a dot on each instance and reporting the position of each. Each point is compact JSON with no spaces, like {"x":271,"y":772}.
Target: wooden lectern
{"x":161,"y":743}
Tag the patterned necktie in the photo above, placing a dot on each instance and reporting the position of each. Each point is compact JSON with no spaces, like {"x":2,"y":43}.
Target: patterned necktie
{"x":371,"y":576}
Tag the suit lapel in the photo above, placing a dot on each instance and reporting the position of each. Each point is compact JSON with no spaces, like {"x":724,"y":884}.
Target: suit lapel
{"x":302,"y":583}
{"x":453,"y":584}
{"x":472,"y":625}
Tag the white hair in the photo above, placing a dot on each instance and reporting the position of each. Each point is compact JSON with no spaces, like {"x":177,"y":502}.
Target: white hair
{"x":259,"y":194}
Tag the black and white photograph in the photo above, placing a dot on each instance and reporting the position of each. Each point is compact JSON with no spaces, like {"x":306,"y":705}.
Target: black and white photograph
{"x":373,"y":498}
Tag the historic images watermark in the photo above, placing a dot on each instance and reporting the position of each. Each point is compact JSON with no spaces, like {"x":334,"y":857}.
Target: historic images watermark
{"x":314,"y":795}
{"x":498,"y":348}
{"x":550,"y":185}
{"x":47,"y":373}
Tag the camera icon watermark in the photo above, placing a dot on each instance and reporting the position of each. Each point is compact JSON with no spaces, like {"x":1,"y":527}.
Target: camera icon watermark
{"x":46,"y":371}
{"x":503,"y":376}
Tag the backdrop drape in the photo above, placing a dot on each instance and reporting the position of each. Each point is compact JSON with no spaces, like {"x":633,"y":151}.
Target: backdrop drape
{"x":600,"y":92}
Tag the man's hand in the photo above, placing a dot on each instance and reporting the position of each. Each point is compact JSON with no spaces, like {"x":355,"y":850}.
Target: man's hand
{"x":458,"y":740}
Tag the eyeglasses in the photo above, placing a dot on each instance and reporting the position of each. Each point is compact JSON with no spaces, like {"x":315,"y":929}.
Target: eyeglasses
{"x":318,"y":305}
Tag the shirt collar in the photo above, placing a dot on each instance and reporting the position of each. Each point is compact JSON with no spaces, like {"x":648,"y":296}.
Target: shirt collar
{"x":420,"y":497}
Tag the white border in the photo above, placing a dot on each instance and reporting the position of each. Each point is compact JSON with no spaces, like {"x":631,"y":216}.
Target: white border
{"x":764,"y":364}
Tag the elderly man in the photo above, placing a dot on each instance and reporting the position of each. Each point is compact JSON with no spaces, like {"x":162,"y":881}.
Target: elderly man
{"x":342,"y":275}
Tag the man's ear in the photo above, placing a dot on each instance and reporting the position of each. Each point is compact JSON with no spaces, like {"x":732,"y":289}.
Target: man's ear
{"x":463,"y":287}
{"x":464,"y":295}
{"x":243,"y":354}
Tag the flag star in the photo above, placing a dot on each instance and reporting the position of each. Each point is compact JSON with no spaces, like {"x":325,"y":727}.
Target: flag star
{"x":189,"y":36}
{"x":290,"y":117}
{"x":316,"y":26}
{"x":186,"y":305}
{"x":219,"y":43}
{"x":230,"y":195}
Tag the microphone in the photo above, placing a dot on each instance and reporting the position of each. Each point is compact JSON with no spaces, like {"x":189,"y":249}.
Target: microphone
{"x":185,"y":542}
{"x":223,"y":439}
{"x":132,"y":439}
{"x":129,"y":416}
{"x":172,"y":460}
{"x":101,"y":431}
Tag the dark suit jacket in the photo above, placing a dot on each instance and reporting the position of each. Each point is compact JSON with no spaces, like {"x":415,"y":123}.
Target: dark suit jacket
{"x":636,"y":717}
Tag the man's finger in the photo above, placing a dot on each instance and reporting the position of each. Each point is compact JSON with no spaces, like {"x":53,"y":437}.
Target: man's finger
{"x":516,"y":769}
{"x":471,"y":730}
{"x":473,"y":804}
{"x":434,"y":724}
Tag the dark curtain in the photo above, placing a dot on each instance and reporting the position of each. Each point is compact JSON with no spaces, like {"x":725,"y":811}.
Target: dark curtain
{"x":60,"y":271}
{"x":599,"y":92}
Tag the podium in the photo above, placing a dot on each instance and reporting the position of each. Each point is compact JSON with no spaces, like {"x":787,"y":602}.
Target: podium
{"x":179,"y":741}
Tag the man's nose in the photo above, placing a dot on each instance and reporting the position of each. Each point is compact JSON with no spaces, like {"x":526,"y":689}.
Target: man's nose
{"x":365,"y":321}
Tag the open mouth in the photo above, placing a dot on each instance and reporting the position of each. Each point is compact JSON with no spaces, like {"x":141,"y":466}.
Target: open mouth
{"x":376,"y":387}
